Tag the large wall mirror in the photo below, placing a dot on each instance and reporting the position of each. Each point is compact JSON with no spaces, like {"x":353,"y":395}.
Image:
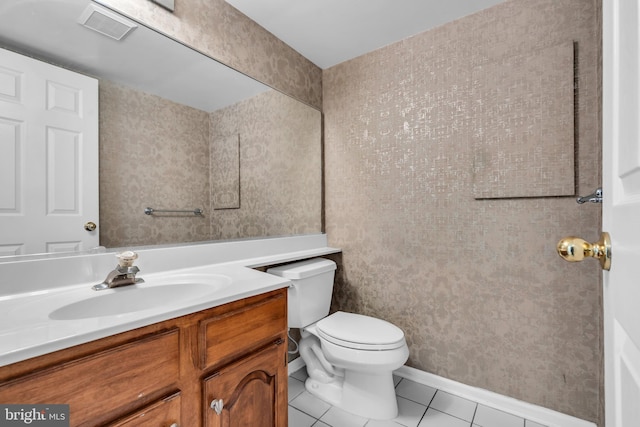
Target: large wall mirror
{"x":178,"y":131}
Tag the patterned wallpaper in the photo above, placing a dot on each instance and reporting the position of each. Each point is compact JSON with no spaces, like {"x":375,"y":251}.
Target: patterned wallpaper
{"x":153,"y":153}
{"x":475,"y":284}
{"x":159,"y":154}
{"x":522,"y":110}
{"x":280,"y":167}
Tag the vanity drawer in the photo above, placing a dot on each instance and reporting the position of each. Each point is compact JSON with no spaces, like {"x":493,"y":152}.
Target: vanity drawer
{"x":100,"y":386}
{"x":242,"y":330}
{"x":164,"y":413}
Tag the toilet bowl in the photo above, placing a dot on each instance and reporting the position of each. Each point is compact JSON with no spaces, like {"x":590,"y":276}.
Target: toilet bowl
{"x":361,"y":360}
{"x":350,"y":358}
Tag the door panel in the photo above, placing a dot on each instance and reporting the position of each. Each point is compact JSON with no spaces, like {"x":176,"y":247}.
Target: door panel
{"x":11,"y":149}
{"x":621,"y":210}
{"x":48,"y":157}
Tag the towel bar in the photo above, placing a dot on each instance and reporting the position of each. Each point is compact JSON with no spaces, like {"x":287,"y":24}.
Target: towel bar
{"x":151,"y":211}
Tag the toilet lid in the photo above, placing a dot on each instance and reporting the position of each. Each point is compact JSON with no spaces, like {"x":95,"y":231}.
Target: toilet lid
{"x":360,"y":332}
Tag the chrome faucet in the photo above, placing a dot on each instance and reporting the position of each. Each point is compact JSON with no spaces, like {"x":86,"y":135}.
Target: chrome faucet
{"x":123,"y":275}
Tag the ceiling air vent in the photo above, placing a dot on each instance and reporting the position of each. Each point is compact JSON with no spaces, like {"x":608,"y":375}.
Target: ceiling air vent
{"x":106,"y":22}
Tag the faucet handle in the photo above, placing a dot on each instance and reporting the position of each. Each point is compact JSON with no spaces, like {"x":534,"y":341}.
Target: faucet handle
{"x":126,"y":258}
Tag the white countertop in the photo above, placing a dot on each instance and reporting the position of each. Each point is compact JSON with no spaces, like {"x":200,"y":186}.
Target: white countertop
{"x":27,"y":330}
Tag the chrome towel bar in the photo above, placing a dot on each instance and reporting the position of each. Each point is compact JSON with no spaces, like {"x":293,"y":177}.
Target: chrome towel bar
{"x":151,"y":211}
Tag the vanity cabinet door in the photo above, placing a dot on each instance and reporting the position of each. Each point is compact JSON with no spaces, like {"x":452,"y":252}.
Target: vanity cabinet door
{"x":165,"y":413}
{"x":249,"y":392}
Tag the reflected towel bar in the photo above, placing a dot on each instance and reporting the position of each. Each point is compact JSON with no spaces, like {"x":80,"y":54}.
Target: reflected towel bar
{"x":151,"y":211}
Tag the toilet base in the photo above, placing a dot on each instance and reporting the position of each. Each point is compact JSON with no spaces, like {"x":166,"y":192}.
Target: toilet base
{"x":330,"y":392}
{"x":366,"y":395}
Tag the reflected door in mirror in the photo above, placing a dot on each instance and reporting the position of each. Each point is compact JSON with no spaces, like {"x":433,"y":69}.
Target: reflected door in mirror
{"x":48,"y":157}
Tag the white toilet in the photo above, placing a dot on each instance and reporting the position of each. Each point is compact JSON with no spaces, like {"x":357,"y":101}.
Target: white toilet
{"x":350,"y":358}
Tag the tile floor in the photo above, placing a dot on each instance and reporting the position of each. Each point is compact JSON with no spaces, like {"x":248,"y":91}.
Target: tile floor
{"x":419,"y":406}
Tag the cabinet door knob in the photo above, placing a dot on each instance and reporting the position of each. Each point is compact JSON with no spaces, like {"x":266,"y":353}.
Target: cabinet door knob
{"x":217,"y":405}
{"x":174,"y":425}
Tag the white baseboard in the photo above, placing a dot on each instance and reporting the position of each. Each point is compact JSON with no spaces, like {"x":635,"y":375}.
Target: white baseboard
{"x":513,"y":406}
{"x":296,"y":365}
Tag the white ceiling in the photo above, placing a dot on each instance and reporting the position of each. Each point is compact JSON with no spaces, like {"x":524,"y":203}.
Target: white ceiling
{"x":155,"y":64}
{"x":328,"y":32}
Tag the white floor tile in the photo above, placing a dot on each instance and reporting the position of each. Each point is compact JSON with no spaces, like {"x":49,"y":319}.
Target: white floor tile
{"x":434,"y":418}
{"x":396,"y":380}
{"x":300,"y":374}
{"x":412,"y":390}
{"x":299,"y":419}
{"x":454,"y":405}
{"x":489,"y":417}
{"x":338,"y":418}
{"x":295,"y":388}
{"x":444,"y":409}
{"x":309,"y":404}
{"x":409,"y":412}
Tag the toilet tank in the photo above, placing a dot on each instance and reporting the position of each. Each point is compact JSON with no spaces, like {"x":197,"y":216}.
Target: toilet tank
{"x":309,"y":296}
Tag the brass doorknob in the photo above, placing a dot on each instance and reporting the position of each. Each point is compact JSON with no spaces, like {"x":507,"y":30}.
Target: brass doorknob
{"x":90,"y":226}
{"x":575,"y":249}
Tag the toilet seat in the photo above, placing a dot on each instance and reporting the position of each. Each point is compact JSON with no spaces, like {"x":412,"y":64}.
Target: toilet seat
{"x":360,"y":332}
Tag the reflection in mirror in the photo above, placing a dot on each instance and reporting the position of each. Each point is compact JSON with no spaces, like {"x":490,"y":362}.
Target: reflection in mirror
{"x":177,"y":130}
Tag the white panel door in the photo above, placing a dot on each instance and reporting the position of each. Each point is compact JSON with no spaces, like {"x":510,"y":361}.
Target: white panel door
{"x":48,"y":157}
{"x":621,"y":210}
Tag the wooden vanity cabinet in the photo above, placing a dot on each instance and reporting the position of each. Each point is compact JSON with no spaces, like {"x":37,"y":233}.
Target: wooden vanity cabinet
{"x":160,"y":375}
{"x":111,"y":379}
{"x":247,"y":392}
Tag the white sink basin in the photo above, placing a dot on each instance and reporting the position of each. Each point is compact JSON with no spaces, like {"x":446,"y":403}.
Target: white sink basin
{"x":172,"y":290}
